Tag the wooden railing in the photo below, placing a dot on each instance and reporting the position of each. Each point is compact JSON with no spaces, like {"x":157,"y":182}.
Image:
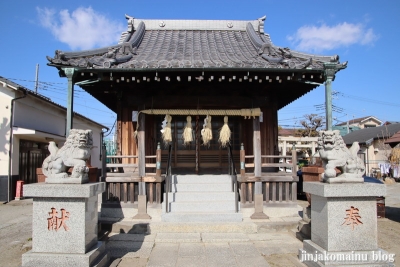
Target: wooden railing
{"x":122,"y":179}
{"x":279,"y":179}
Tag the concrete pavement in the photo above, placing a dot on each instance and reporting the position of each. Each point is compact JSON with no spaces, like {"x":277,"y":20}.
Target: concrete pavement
{"x":207,"y":249}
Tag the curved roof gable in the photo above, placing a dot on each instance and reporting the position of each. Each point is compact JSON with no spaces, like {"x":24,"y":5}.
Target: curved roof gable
{"x":166,"y":44}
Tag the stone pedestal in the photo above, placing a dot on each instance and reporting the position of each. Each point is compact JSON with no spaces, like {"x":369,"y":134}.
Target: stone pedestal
{"x":259,"y":208}
{"x":142,"y":208}
{"x":64,"y":225}
{"x":344,"y":225}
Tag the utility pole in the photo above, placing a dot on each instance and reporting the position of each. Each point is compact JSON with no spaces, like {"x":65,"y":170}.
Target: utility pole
{"x":37,"y":78}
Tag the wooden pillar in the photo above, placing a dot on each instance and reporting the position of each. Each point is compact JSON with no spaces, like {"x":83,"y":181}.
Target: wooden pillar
{"x":242,"y":161}
{"x":258,"y":196}
{"x":119,"y":125}
{"x":142,"y":200}
{"x":257,"y":147}
{"x":142,"y":149}
{"x":158,"y":160}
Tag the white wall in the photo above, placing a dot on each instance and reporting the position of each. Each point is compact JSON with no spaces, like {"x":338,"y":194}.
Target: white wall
{"x":39,"y":115}
{"x":5,"y":111}
{"x":36,"y":114}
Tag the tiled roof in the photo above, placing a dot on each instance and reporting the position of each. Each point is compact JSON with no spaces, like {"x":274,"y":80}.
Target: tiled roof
{"x":374,"y":133}
{"x":6,"y":82}
{"x":157,"y":44}
{"x":394,"y":140}
{"x":287,"y":132}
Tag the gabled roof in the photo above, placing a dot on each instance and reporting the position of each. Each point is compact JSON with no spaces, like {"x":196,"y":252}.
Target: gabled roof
{"x":193,"y":44}
{"x":390,"y":122}
{"x":394,"y":140}
{"x":374,"y":133}
{"x":287,"y":132}
{"x":360,"y":120}
{"x":12,"y":85}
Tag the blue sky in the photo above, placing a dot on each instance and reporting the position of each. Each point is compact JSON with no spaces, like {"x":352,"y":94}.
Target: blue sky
{"x":364,"y":33}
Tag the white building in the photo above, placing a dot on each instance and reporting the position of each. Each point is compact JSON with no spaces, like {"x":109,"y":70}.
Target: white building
{"x":29,"y":122}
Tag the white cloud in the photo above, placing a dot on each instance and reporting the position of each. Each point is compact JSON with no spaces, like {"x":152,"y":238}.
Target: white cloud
{"x":323,"y":37}
{"x":84,"y":28}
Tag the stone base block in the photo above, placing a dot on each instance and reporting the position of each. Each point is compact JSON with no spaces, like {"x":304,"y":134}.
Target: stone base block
{"x":97,"y":256}
{"x":68,"y":180}
{"x":279,"y":212}
{"x":314,"y":255}
{"x":258,"y":208}
{"x":307,"y":214}
{"x":305,"y":229}
{"x":344,"y":179}
{"x":142,"y":208}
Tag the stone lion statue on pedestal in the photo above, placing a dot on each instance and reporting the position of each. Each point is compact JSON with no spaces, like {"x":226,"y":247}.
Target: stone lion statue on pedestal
{"x":74,"y":153}
{"x":335,"y":154}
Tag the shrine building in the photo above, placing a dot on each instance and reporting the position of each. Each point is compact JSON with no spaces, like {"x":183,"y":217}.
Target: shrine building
{"x":197,"y":101}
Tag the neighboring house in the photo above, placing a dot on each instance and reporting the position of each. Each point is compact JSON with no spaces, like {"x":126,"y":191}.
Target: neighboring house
{"x":390,"y":122}
{"x":286,"y":132}
{"x":364,"y":122}
{"x":345,"y":129}
{"x":29,"y":122}
{"x":394,"y":140}
{"x":372,"y":144}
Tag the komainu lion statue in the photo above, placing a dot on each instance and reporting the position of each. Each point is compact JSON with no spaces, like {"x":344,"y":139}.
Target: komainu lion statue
{"x":335,"y":154}
{"x":74,"y":153}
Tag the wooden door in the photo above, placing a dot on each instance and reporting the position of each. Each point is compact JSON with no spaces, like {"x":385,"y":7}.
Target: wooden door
{"x":211,"y":156}
{"x":31,"y":157}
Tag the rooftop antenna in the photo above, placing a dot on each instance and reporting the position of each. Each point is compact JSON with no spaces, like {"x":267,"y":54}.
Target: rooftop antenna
{"x":37,"y":78}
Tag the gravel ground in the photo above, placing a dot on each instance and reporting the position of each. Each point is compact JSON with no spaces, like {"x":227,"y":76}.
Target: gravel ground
{"x":15,"y":231}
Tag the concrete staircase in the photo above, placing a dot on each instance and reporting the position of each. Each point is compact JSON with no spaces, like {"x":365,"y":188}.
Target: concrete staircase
{"x":201,"y":198}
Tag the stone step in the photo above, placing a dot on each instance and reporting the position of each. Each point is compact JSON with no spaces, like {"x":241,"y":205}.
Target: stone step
{"x":201,"y":196}
{"x":201,"y":179}
{"x":202,"y":187}
{"x":202,"y":217}
{"x":130,"y":230}
{"x":203,"y":206}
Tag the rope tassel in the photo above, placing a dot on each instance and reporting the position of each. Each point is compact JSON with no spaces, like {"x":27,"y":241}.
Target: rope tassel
{"x":187,"y":132}
{"x":225,"y":133}
{"x":206,"y":132}
{"x":166,"y":131}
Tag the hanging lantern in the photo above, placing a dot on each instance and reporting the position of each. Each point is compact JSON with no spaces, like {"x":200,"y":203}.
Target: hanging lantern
{"x":225,"y":133}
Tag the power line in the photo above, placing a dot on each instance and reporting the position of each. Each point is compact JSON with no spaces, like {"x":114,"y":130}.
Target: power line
{"x":364,"y":99}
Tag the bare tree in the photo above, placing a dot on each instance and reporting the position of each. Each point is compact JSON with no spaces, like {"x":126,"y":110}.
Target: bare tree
{"x":311,"y":123}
